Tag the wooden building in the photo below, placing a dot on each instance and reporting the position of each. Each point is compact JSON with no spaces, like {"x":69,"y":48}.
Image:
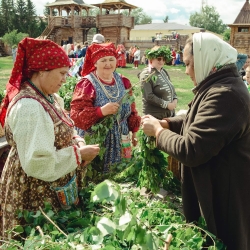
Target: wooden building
{"x":113,"y":24}
{"x":66,"y":22}
{"x":240,"y":30}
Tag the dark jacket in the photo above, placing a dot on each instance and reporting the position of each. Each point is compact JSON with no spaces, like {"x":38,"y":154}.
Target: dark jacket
{"x":214,"y":150}
{"x":157,"y":92}
{"x":84,"y":50}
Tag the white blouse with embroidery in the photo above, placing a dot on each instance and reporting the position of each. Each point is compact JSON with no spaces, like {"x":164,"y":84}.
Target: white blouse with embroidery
{"x":33,"y":132}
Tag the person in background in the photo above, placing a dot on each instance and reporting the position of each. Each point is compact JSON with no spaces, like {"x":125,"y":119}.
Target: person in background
{"x":46,"y":160}
{"x":173,"y":57}
{"x":143,"y":59}
{"x":131,"y":56}
{"x":84,"y":49}
{"x":158,"y":93}
{"x":137,"y":57}
{"x":97,"y":96}
{"x":212,"y":141}
{"x":133,"y":52}
{"x":64,"y":46}
{"x":71,"y":50}
{"x":246,"y":78}
{"x":14,"y":50}
{"x":121,"y":60}
{"x":98,"y":38}
{"x":78,"y":51}
{"x":178,"y":57}
{"x":241,"y":60}
{"x":247,"y":63}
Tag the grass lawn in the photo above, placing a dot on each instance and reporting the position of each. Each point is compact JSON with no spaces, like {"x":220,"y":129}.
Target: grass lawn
{"x":180,"y":80}
{"x":6,"y":65}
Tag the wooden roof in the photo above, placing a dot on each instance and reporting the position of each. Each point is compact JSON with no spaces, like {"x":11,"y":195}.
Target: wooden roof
{"x":69,"y":2}
{"x":165,"y":26}
{"x":244,"y":15}
{"x":114,"y":1}
{"x":115,"y":5}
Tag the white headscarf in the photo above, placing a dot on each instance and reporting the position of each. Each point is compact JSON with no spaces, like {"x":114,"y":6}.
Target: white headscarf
{"x":210,"y":51}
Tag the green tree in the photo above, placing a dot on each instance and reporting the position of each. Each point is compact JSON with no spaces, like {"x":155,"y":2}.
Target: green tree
{"x":146,"y":19}
{"x":165,"y":20}
{"x":140,"y":16}
{"x":13,"y":38}
{"x":226,"y":34}
{"x":7,"y":16}
{"x":35,"y":25}
{"x":208,"y":19}
{"x":21,"y":17}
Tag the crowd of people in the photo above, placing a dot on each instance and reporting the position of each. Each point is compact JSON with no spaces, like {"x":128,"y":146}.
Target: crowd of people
{"x":49,"y":157}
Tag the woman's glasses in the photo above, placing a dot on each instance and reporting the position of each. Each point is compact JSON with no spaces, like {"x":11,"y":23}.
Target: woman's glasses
{"x":160,"y":58}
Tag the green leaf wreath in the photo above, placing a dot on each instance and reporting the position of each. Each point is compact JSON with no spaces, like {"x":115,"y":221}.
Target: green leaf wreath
{"x":156,"y":52}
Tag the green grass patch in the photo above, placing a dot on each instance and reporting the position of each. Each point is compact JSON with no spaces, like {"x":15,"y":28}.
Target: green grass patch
{"x":182,"y":83}
{"x":6,"y":65}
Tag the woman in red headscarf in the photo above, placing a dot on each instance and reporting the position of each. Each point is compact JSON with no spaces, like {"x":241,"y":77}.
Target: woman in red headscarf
{"x":98,"y":94}
{"x":44,"y":163}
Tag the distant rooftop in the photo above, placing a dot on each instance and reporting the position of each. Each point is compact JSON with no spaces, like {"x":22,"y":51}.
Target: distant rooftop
{"x":164,"y":26}
{"x":115,"y":4}
{"x":68,"y":2}
{"x":244,"y":15}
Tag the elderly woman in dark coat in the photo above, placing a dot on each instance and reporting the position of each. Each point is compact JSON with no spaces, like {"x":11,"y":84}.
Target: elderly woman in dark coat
{"x":212,"y":141}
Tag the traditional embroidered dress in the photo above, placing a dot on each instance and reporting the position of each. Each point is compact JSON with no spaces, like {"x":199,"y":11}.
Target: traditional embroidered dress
{"x":20,"y":191}
{"x":121,"y":60}
{"x":125,"y":121}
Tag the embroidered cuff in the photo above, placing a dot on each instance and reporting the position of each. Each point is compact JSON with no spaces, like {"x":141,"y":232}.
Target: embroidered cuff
{"x":99,"y":112}
{"x":77,"y":154}
{"x":78,"y":138}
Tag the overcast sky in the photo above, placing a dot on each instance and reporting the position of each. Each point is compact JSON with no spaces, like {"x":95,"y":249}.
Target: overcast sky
{"x":177,"y":10}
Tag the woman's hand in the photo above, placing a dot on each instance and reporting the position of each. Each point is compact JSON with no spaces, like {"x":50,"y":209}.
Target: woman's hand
{"x":150,"y":125}
{"x":164,"y":124}
{"x":89,"y":152}
{"x":110,"y":108}
{"x":134,"y":139}
{"x":172,"y":105}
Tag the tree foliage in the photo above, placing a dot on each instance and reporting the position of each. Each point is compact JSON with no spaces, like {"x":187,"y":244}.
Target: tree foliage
{"x":13,"y":38}
{"x":140,"y":16}
{"x":208,"y":19}
{"x":165,"y":20}
{"x":226,"y":34}
{"x":20,"y":15}
{"x":7,"y":14}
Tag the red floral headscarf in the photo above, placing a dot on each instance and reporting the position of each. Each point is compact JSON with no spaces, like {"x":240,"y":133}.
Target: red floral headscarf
{"x":33,"y":55}
{"x":94,"y":53}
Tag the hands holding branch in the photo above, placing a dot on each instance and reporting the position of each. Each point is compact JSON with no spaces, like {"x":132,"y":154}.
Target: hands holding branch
{"x":110,"y":108}
{"x":152,"y":126}
{"x":89,"y":152}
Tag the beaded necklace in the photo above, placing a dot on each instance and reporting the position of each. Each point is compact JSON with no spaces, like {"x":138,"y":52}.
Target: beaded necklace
{"x":51,"y":97}
{"x":110,"y":96}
